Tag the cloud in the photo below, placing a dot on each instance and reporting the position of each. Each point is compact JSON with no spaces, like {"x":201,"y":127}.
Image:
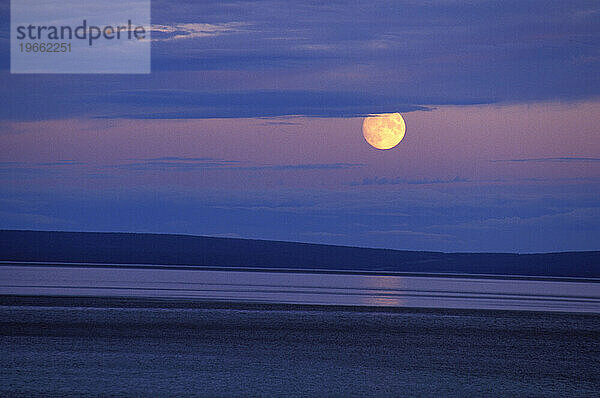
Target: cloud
{"x":175,"y":163}
{"x":279,"y":123}
{"x":322,"y":234}
{"x":19,"y":170}
{"x":163,"y":163}
{"x":110,"y":101}
{"x":580,"y":219}
{"x":437,"y":49}
{"x":249,"y":59}
{"x":181,"y":31}
{"x":306,"y":166}
{"x":190,"y":104}
{"x":179,"y":158}
{"x":25,"y":220}
{"x":564,"y":159}
{"x":411,"y":233}
{"x":61,"y":163}
{"x":398,"y":181}
{"x":189,"y":164}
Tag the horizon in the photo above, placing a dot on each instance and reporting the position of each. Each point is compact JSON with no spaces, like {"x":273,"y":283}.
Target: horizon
{"x":288,"y":241}
{"x":130,"y":251}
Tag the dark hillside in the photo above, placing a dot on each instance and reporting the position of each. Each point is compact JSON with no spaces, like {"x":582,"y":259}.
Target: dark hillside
{"x":130,"y":248}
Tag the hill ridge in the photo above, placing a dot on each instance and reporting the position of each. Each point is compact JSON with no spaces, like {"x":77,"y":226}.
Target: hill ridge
{"x":181,"y":249}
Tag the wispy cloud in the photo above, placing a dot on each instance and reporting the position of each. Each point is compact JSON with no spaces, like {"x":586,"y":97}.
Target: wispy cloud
{"x":168,"y":163}
{"x":175,"y":163}
{"x":179,"y":158}
{"x":323,"y":234}
{"x":190,"y":164}
{"x":584,"y":218}
{"x":17,"y":170}
{"x":307,"y":166}
{"x":61,"y":163}
{"x":399,"y":181}
{"x":562,"y":159}
{"x":7,"y":219}
{"x":202,"y":104}
{"x":182,"y":31}
{"x":411,"y":233}
{"x":279,"y":123}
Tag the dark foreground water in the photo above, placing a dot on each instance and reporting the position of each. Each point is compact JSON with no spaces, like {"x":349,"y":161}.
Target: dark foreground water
{"x":133,"y":347}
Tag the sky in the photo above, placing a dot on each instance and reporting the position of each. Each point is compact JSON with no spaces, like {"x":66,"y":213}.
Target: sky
{"x":249,"y":125}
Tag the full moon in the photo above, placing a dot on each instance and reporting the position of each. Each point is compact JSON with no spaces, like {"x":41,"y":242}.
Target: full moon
{"x":384,"y":131}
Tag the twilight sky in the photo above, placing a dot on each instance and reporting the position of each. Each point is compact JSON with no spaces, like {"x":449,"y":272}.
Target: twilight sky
{"x":250,"y":126}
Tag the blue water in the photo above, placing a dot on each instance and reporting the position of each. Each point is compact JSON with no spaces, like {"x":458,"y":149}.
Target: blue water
{"x":106,"y":348}
{"x":302,"y":287}
{"x":82,"y":330}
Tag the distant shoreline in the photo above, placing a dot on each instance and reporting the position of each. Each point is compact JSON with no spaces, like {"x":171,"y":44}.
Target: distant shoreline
{"x":128,"y":249}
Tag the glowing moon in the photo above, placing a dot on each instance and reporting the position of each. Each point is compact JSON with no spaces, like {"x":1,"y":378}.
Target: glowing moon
{"x":384,"y":131}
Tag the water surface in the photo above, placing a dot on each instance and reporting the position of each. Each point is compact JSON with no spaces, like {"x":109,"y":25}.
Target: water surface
{"x":304,"y":287}
{"x":102,"y":349}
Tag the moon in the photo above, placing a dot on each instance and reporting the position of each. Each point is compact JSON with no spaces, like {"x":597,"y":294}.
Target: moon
{"x":384,"y":131}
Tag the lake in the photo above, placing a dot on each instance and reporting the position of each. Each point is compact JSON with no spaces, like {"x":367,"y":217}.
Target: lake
{"x":315,"y":287}
{"x":102,"y":330}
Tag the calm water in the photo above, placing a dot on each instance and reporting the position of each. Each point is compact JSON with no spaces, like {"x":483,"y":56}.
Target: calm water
{"x":180,"y":332}
{"x":57,"y":350}
{"x":550,"y":294}
{"x":163,"y":331}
